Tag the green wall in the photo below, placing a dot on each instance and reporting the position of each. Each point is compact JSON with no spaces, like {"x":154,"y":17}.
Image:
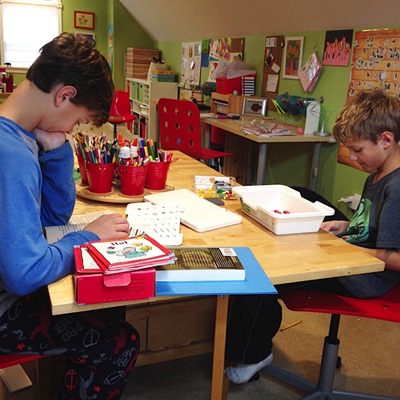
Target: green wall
{"x":290,"y":164}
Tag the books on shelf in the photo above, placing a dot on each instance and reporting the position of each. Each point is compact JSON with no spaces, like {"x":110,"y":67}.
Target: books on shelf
{"x":130,"y":254}
{"x":202,"y":264}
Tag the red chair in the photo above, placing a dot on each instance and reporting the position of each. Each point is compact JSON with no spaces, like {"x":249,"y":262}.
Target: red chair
{"x":386,"y":307}
{"x":180,"y":129}
{"x":15,"y":377}
{"x":120,"y":111}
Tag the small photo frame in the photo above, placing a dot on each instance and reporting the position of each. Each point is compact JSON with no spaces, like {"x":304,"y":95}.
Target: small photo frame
{"x":84,"y":35}
{"x":255,"y":106}
{"x":292,"y":57}
{"x":83,"y":20}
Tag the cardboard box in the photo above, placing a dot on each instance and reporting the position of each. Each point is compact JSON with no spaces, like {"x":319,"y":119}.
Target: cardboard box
{"x":92,"y":286}
{"x":281,"y":209}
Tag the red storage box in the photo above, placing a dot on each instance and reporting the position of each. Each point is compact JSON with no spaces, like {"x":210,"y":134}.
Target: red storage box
{"x":228,"y":86}
{"x":92,"y":286}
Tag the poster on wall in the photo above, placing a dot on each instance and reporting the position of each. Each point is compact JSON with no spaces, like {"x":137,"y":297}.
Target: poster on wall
{"x":375,"y":64}
{"x":292,"y":57}
{"x":222,"y":52}
{"x":337,"y":50}
{"x":190,"y":64}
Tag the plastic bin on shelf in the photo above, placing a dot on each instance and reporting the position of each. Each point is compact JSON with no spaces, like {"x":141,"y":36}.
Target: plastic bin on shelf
{"x":229,"y":85}
{"x":281,"y":209}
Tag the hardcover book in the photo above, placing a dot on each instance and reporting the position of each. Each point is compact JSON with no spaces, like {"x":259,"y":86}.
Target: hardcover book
{"x":202,"y":264}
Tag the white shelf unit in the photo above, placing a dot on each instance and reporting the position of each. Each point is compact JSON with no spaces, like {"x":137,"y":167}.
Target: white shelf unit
{"x":143,"y":95}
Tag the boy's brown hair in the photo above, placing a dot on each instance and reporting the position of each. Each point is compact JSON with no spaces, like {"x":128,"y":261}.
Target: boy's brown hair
{"x":75,"y":62}
{"x":367,"y":116}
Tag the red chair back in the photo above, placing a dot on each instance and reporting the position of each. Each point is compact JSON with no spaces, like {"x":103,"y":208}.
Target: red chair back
{"x":120,"y":106}
{"x":179,"y":123}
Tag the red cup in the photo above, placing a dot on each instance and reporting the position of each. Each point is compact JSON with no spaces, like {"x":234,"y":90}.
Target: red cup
{"x":132,"y":179}
{"x":82,"y":170}
{"x":100,"y":177}
{"x":156,"y":176}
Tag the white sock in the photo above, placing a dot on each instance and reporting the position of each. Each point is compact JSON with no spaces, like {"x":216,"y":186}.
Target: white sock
{"x":242,"y":373}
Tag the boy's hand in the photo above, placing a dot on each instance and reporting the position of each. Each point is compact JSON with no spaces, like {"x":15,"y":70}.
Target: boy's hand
{"x":335,"y":227}
{"x":109,"y":226}
{"x":49,"y":140}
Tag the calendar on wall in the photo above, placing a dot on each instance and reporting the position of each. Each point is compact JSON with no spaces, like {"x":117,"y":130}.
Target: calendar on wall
{"x":376,"y":61}
{"x":375,"y":65}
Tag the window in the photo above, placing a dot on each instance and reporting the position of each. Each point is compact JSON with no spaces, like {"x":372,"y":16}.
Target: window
{"x":25,"y":26}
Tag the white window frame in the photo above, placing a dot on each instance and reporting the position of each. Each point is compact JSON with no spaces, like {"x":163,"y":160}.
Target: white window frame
{"x":30,"y":32}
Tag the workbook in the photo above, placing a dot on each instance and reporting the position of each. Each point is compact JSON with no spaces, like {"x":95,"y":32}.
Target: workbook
{"x":202,"y":264}
{"x":130,"y":254}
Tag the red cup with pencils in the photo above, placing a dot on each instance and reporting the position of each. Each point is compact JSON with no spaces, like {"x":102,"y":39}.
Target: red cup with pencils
{"x":132,"y":179}
{"x":100,"y":176}
{"x":157,"y":173}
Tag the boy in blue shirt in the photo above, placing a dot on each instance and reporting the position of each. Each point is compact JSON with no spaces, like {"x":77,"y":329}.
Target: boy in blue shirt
{"x":369,"y":126}
{"x":69,"y":83}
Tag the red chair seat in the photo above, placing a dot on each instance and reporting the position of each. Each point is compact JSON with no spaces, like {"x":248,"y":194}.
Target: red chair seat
{"x":386,"y":307}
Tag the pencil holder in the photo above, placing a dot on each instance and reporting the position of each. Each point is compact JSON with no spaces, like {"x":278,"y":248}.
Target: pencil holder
{"x":132,"y":179}
{"x":100,"y":177}
{"x":156,"y":176}
{"x":82,"y":170}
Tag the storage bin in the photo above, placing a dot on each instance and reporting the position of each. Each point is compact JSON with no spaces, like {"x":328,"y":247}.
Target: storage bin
{"x":281,"y":209}
{"x":229,"y":85}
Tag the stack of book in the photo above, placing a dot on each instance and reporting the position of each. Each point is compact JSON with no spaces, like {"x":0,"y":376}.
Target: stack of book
{"x":118,"y":270}
{"x":248,"y":85}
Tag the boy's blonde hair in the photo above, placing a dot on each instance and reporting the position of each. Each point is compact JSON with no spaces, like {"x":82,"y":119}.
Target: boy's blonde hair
{"x":367,"y":116}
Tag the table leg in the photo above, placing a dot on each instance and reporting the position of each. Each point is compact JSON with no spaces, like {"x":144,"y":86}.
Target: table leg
{"x":219,"y":383}
{"x":262,"y":163}
{"x":314,"y":166}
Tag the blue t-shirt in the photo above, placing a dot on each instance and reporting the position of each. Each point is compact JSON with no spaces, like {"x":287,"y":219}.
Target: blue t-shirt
{"x":37,"y":190}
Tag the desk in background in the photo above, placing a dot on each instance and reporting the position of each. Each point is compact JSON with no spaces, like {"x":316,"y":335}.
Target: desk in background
{"x":234,"y":127}
{"x":284,"y":258}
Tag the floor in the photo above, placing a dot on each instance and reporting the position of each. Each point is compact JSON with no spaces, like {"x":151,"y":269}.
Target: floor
{"x":370,"y":354}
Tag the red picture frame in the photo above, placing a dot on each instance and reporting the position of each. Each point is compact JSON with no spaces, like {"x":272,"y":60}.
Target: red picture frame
{"x":84,"y":20}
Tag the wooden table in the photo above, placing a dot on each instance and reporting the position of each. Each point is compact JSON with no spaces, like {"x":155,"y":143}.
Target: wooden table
{"x":234,"y":127}
{"x":285,"y":258}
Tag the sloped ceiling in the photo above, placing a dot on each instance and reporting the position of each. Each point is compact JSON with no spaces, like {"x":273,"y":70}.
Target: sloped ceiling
{"x":175,"y":20}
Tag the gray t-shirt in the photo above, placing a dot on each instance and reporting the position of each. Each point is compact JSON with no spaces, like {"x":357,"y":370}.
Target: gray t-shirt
{"x":376,"y":224}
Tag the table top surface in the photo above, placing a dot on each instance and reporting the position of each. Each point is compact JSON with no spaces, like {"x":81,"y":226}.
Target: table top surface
{"x":235,"y":125}
{"x":284,"y":258}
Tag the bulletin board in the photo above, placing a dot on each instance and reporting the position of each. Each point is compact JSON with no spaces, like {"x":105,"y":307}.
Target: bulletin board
{"x":190,"y":63}
{"x":224,"y":49}
{"x":272,"y":66}
{"x":376,"y":61}
{"x":375,"y":64}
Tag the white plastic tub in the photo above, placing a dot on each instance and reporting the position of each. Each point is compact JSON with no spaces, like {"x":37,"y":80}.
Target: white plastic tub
{"x":281,"y":209}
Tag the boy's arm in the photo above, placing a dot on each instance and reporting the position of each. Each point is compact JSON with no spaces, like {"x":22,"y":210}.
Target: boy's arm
{"x":58,"y":190}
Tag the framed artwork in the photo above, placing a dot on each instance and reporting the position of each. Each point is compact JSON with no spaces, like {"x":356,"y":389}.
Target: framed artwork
{"x":88,"y":36}
{"x":255,"y":106}
{"x":83,"y":20}
{"x":292,"y":57}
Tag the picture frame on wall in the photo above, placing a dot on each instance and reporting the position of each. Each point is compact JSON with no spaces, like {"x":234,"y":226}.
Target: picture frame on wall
{"x":292,"y":57}
{"x":84,"y":20}
{"x":89,"y":36}
{"x":255,"y":106}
